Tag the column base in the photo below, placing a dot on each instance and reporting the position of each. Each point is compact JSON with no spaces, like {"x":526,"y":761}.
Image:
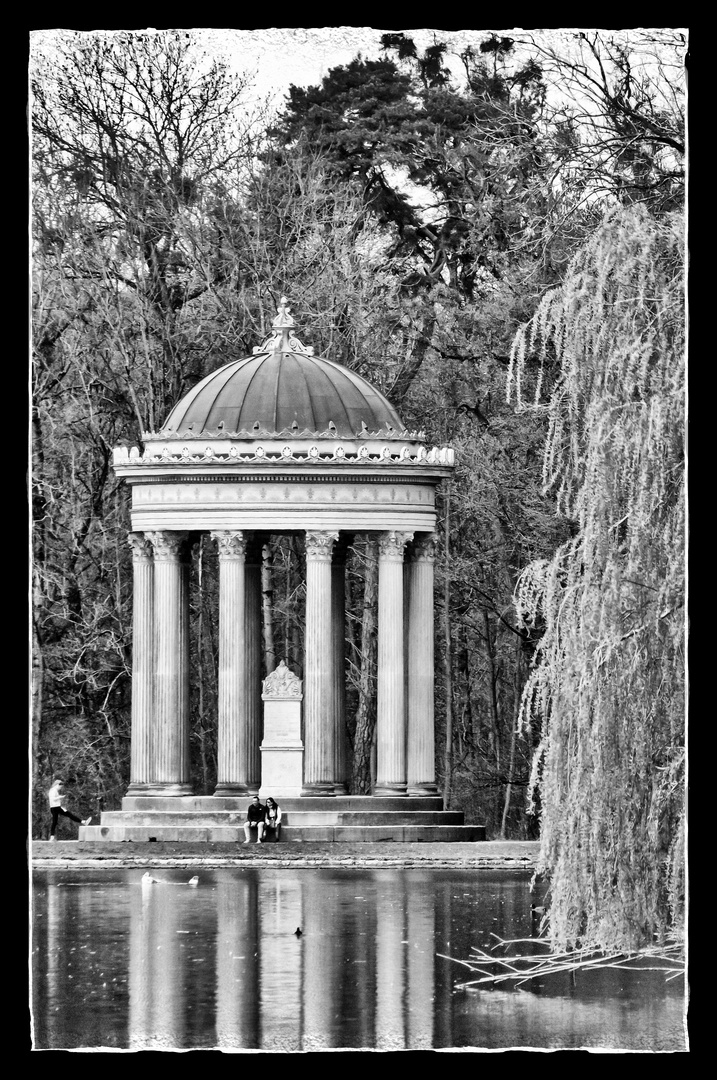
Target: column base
{"x":142,"y":788}
{"x":341,"y":789}
{"x":423,"y":789}
{"x":172,"y":790}
{"x":318,"y":790}
{"x":383,"y":790}
{"x":229,"y":790}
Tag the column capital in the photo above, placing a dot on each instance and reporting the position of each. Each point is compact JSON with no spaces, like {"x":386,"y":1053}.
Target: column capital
{"x":141,"y":547}
{"x":423,"y":548}
{"x":230,"y":544}
{"x":319,"y":545}
{"x":168,"y":546}
{"x":391,"y":544}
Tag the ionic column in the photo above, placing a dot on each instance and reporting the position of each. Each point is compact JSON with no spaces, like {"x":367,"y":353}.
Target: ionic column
{"x":141,"y":766}
{"x":319,"y":721}
{"x":253,"y":639}
{"x":171,"y":678}
{"x":338,"y":630}
{"x":391,"y":703}
{"x":421,"y":769}
{"x":232,"y":737}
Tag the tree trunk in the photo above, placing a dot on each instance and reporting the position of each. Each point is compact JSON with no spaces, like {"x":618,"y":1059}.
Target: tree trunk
{"x":513,"y":738}
{"x":494,"y":711}
{"x":414,"y":359}
{"x":366,"y":712}
{"x":267,"y":603}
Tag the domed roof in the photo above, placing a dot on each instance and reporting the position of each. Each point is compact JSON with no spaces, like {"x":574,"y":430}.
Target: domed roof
{"x":283,"y":388}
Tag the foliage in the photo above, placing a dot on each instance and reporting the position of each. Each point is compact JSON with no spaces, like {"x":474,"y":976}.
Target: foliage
{"x":436,"y":163}
{"x":610,"y":132}
{"x":608,"y":679}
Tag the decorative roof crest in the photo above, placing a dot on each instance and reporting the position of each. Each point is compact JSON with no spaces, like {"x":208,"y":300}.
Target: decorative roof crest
{"x":282,"y":683}
{"x":283,"y":338}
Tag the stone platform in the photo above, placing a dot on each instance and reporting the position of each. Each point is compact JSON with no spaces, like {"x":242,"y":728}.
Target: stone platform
{"x":338,"y":819}
{"x":518,"y":855}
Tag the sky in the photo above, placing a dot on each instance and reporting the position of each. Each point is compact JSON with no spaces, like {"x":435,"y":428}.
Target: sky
{"x":280,"y":56}
{"x":277,"y":57}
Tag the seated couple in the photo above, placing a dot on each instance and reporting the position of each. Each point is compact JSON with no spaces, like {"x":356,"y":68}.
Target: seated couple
{"x":265,"y":819}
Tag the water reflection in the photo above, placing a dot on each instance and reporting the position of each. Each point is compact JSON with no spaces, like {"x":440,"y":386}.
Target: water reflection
{"x":123,"y":965}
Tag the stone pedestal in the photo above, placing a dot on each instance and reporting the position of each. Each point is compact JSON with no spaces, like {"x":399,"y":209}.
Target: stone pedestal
{"x":282,"y":751}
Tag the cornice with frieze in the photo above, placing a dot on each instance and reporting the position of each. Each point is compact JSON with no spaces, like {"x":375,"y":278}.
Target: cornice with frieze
{"x":383,"y":456}
{"x":343,"y":480}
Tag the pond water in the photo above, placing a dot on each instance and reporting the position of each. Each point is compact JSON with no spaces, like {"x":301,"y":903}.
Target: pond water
{"x":121,"y":965}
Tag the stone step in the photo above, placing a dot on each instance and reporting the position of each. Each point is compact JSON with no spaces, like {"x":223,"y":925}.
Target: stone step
{"x":212,"y":803}
{"x":323,"y":833}
{"x":301,"y":817}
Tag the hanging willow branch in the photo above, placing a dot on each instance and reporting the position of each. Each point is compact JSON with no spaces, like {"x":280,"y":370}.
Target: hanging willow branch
{"x":607,"y":685}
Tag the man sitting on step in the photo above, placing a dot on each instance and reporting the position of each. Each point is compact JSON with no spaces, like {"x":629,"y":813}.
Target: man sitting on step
{"x":255,"y":820}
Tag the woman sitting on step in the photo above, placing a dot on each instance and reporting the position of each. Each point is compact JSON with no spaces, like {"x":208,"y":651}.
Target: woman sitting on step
{"x":272,"y":820}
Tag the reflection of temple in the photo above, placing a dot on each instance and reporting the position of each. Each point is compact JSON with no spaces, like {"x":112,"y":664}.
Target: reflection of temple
{"x":368,"y":970}
{"x":119,"y":965}
{"x":282,"y":442}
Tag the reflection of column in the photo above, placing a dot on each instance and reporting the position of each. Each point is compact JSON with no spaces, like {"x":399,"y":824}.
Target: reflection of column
{"x":237,"y":952}
{"x":421,"y":766}
{"x":142,"y":765}
{"x":59,"y":921}
{"x":232,"y":739}
{"x":156,"y":979}
{"x":319,"y":722}
{"x":356,"y":1000}
{"x":281,"y":961}
{"x":253,"y":640}
{"x":391,"y":704}
{"x":444,"y":1013}
{"x":321,"y":966}
{"x":420,"y":973}
{"x":390,"y":952}
{"x":141,"y":971}
{"x":338,"y":630}
{"x":171,"y":683}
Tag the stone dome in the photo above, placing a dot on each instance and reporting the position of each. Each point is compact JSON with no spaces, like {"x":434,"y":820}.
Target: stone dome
{"x":283,"y":389}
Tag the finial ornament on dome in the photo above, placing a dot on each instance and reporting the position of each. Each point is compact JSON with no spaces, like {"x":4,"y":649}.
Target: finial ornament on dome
{"x":283,"y":318}
{"x":282,"y":338}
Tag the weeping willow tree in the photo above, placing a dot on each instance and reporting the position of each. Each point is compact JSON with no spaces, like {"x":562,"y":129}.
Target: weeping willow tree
{"x":607,"y":685}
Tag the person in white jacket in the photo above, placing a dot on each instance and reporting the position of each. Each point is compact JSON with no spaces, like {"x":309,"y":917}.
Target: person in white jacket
{"x":57,"y":799}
